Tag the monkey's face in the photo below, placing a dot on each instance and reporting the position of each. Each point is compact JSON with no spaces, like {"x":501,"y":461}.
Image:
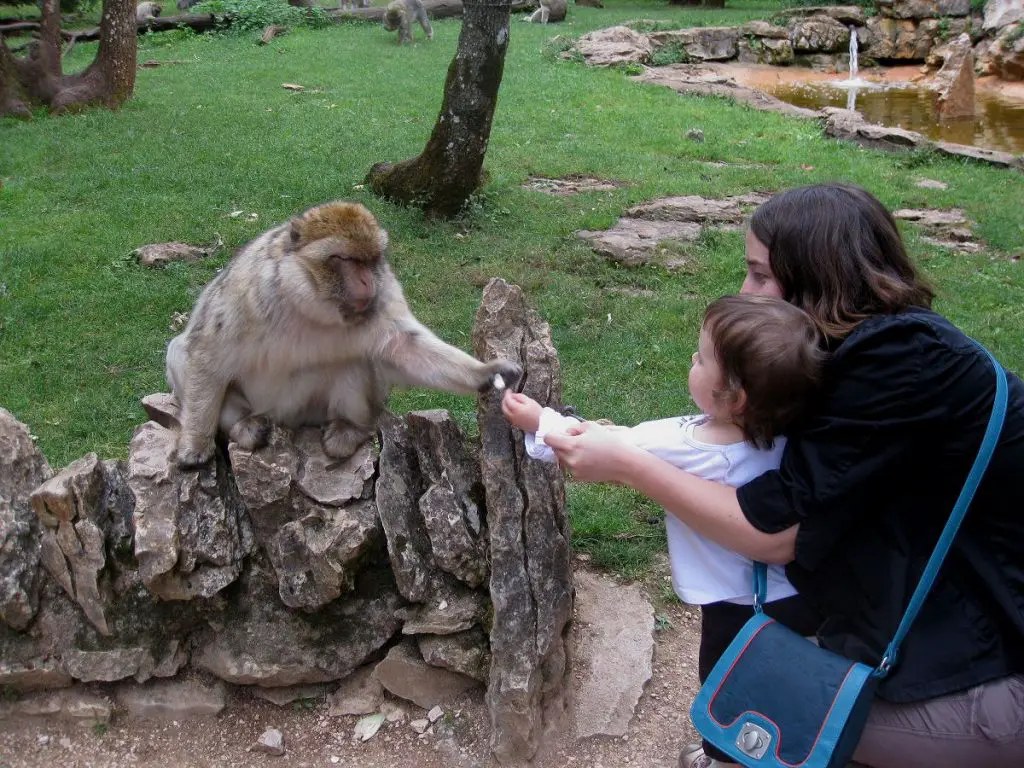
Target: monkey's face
{"x":392,"y":19}
{"x":342,"y":247}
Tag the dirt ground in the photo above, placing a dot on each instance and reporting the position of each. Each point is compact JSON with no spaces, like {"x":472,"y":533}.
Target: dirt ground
{"x":459,"y":739}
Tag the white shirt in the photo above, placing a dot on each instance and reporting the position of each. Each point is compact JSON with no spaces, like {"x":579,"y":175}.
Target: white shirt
{"x":702,"y":571}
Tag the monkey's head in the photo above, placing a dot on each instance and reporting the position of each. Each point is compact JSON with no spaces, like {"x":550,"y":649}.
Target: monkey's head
{"x":393,"y":17}
{"x":342,"y":247}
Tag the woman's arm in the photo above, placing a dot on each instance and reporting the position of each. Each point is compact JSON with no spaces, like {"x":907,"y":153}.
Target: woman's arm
{"x":711,"y":509}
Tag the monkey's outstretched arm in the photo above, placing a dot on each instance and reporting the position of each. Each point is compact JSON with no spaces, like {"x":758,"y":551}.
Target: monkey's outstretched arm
{"x":417,"y":357}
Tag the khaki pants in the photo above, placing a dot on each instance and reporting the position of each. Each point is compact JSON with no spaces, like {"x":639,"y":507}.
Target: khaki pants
{"x":982,"y":727}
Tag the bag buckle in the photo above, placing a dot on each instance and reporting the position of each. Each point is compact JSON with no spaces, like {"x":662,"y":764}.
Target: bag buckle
{"x":753,"y":740}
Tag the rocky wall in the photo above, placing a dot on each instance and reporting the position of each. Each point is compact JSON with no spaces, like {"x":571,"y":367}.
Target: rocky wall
{"x":431,"y":561}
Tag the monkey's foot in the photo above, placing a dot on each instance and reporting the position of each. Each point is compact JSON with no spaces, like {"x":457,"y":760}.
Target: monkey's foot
{"x":251,"y":433}
{"x":192,"y":454}
{"x":341,"y":439}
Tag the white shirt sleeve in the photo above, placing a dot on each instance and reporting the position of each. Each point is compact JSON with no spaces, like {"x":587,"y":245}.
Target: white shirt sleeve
{"x":550,"y":421}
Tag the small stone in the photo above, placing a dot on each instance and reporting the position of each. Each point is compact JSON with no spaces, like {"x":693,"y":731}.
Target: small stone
{"x":393,"y":712}
{"x":932,"y":184}
{"x":65,"y":742}
{"x":695,"y":134}
{"x":435,"y":714}
{"x":420,"y":726}
{"x":271,"y":742}
{"x":367,"y":727}
{"x":44,"y":739}
{"x":335,"y":759}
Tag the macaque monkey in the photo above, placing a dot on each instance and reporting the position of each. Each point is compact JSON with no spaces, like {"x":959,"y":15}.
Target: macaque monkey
{"x":347,"y":5}
{"x":400,"y":14}
{"x":307,"y":325}
{"x":541,"y":14}
{"x":146,"y":11}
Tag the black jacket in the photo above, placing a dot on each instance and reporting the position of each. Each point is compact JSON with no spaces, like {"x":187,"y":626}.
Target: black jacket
{"x":871,"y":476}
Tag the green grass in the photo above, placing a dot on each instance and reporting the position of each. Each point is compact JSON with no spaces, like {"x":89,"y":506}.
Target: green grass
{"x":83,"y":327}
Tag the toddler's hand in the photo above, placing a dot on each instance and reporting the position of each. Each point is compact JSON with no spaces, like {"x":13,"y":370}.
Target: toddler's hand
{"x":521,"y":411}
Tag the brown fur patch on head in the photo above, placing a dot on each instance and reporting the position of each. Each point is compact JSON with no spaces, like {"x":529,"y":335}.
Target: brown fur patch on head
{"x":352,"y":222}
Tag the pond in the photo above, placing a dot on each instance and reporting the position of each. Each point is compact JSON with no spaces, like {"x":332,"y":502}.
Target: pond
{"x":900,"y":98}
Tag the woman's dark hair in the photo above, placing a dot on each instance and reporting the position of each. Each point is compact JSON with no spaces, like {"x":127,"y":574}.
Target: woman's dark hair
{"x":836,"y":253}
{"x":770,"y":349}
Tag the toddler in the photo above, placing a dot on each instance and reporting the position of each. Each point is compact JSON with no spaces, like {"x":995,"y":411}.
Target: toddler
{"x":758,"y":362}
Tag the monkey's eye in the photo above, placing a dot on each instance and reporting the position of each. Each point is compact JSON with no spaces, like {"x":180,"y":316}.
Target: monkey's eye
{"x":336,"y":257}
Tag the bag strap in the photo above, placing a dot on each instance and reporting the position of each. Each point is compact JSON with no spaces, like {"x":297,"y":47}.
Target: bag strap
{"x":963,"y":502}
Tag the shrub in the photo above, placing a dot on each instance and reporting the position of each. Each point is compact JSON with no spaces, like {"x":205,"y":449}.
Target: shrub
{"x":255,"y":15}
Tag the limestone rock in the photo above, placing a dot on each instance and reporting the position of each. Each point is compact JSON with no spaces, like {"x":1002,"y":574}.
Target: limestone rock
{"x":264,"y":643}
{"x":904,"y":39}
{"x":763,"y":29}
{"x":531,"y":579}
{"x":447,"y":617}
{"x":70,"y":506}
{"x":851,"y":126}
{"x":160,"y":254}
{"x":818,"y":34}
{"x":270,"y":743}
{"x":192,"y":531}
{"x":613,"y":657}
{"x":765,"y":50}
{"x":359,"y":694}
{"x":317,"y":558}
{"x":844,"y":14}
{"x":700,"y":43}
{"x":41,"y":675}
{"x":636,"y":235}
{"x":948,"y":228}
{"x":172,"y":700}
{"x":955,"y":81}
{"x":463,"y":652}
{"x":980,"y":154}
{"x":328,"y":481}
{"x":615,"y":45}
{"x":409,"y":468}
{"x":923,"y":9}
{"x":163,"y":408}
{"x":1000,"y":14}
{"x":367,"y":727}
{"x":405,"y":674}
{"x":72,"y":705}
{"x":452,"y":505}
{"x":1006,"y":53}
{"x":289,"y":693}
{"x":22,"y":469}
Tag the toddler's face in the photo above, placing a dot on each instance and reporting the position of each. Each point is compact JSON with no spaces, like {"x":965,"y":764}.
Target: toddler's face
{"x":706,"y":377}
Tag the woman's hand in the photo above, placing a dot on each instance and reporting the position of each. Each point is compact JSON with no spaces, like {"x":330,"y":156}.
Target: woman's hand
{"x":590,"y":452}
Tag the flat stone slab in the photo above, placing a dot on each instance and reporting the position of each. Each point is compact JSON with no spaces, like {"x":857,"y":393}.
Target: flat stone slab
{"x":172,"y":700}
{"x":948,"y":228}
{"x":614,"y":654}
{"x":570,"y":185}
{"x":636,"y":236}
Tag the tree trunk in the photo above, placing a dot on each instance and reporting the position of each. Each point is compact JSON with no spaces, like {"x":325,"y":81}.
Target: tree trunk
{"x":108,"y":80}
{"x":442,"y":178}
{"x":11,"y":102}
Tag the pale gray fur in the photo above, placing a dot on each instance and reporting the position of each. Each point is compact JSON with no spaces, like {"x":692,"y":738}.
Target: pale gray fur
{"x":264,"y":344}
{"x":400,"y":15}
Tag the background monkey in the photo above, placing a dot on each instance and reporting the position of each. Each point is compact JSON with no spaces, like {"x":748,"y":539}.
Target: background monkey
{"x":308,"y":325}
{"x":146,"y":11}
{"x":400,"y":14}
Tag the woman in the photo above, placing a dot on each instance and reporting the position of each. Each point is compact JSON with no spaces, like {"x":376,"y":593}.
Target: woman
{"x":867,"y":482}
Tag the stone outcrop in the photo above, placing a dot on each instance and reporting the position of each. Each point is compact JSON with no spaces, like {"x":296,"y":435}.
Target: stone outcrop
{"x":850,"y":126}
{"x":954,"y":84}
{"x":700,"y":43}
{"x":818,"y":34}
{"x":635,"y":238}
{"x":426,"y":562}
{"x":529,"y":533}
{"x":22,"y":469}
{"x":1000,"y":14}
{"x":615,"y":45}
{"x":923,"y":9}
{"x":1005,"y":54}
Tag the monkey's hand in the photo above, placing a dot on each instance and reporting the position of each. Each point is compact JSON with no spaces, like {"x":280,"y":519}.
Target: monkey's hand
{"x":193,"y":453}
{"x":509,"y":371}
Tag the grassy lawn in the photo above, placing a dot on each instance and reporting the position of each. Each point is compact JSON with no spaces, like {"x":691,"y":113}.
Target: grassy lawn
{"x":211,"y":132}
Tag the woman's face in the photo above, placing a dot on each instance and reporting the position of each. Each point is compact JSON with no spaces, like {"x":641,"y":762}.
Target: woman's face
{"x":759,"y":280}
